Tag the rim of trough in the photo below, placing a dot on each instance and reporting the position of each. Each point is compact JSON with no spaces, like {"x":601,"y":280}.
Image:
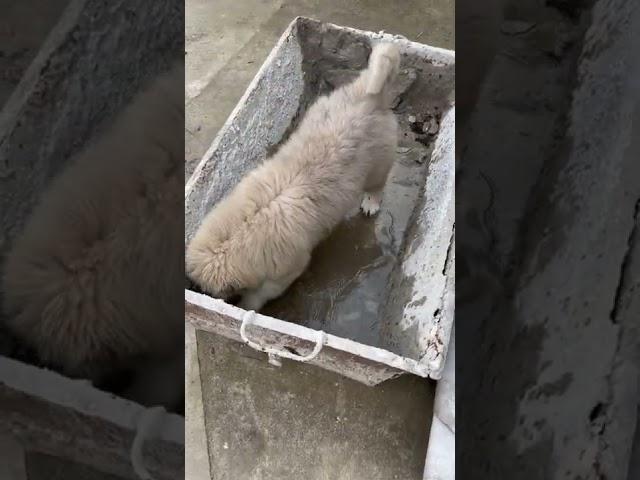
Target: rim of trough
{"x":367,"y":352}
{"x":83,"y":397}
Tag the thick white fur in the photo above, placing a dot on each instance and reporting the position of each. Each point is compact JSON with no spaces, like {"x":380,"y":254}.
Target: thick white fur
{"x":94,"y":280}
{"x":259,"y":238}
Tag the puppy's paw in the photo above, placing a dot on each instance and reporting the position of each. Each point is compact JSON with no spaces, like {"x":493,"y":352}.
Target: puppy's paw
{"x":370,"y":204}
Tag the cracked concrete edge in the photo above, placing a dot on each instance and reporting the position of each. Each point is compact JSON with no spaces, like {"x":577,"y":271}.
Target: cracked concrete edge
{"x":619,"y":412}
{"x":594,"y":201}
{"x":614,"y":417}
{"x":430,"y":260}
{"x":619,"y":433}
{"x":197,"y":466}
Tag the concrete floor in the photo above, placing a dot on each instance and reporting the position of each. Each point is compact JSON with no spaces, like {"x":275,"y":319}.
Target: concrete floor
{"x":227,"y":41}
{"x":296,"y":421}
{"x":299,"y":421}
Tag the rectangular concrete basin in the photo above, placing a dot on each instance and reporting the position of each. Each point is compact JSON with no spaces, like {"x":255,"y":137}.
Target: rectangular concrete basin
{"x":377,"y":300}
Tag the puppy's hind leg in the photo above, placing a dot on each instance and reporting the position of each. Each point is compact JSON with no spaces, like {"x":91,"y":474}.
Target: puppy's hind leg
{"x":371,"y":202}
{"x":270,"y":289}
{"x":375,"y":182}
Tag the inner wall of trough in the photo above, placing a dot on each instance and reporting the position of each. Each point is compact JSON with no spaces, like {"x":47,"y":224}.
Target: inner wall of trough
{"x":347,"y":284}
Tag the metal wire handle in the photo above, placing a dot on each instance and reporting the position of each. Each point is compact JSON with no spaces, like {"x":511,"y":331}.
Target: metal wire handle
{"x":248,"y":317}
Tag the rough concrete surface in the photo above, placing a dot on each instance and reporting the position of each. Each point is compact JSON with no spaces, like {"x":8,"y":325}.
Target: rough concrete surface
{"x":298,"y":421}
{"x":563,"y":339}
{"x":196,"y":462}
{"x":386,"y":428}
{"x":599,"y":179}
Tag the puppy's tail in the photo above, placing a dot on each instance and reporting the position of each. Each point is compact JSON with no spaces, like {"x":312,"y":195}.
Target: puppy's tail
{"x":384,"y":66}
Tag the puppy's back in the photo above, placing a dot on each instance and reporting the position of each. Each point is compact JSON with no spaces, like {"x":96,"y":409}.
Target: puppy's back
{"x":91,"y":271}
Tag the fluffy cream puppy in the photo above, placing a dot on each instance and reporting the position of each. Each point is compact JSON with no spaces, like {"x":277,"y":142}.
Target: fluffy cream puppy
{"x":94,"y":281}
{"x":259,"y":239}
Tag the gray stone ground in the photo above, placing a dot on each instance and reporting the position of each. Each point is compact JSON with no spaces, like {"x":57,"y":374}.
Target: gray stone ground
{"x":227,"y":41}
{"x":297,"y":421}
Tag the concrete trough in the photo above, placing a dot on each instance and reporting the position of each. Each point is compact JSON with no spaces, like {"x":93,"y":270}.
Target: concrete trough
{"x":377,"y":300}
{"x":68,"y":89}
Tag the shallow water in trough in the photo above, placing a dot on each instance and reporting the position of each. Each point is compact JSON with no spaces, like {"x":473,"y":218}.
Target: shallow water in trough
{"x":347,"y":283}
